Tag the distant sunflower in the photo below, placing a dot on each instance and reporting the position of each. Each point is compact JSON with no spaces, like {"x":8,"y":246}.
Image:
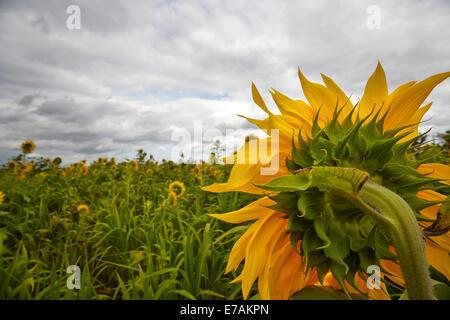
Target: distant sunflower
{"x":12,"y":165}
{"x":85,"y":170}
{"x":28,"y":146}
{"x":83,"y":207}
{"x":27,"y":168}
{"x":2,"y":197}
{"x":177,"y":187}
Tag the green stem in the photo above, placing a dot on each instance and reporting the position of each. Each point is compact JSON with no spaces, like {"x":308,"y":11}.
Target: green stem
{"x":394,"y":213}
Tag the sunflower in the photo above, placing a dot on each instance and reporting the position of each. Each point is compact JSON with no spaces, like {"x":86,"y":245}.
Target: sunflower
{"x":2,"y":197}
{"x":28,"y":146}
{"x":178,"y":188}
{"x":27,"y":168}
{"x":12,"y":165}
{"x":304,"y":238}
{"x":85,"y":170}
{"x":83,"y":207}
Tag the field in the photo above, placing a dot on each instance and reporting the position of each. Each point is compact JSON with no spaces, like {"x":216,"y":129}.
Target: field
{"x":118,"y":222}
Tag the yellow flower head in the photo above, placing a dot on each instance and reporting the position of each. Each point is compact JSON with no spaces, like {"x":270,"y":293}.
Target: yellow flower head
{"x":197,"y":170}
{"x":28,"y":146}
{"x":83,"y":207}
{"x":85,"y":170}
{"x":27,"y":168}
{"x":12,"y":165}
{"x":288,"y":246}
{"x":177,"y":187}
{"x":2,"y":197}
{"x":135,"y":165}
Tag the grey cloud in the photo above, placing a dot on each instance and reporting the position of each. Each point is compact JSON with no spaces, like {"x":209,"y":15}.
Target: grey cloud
{"x":136,"y":70}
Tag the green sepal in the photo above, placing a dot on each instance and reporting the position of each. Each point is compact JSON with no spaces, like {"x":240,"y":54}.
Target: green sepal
{"x":286,"y":202}
{"x":297,"y":224}
{"x":310,"y":203}
{"x":382,"y":247}
{"x":321,"y":226}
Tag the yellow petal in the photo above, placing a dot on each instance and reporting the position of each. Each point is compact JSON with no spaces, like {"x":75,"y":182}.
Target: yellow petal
{"x":255,"y":210}
{"x":375,"y":93}
{"x":280,"y":240}
{"x":258,"y":99}
{"x":343,"y":101}
{"x":439,"y":259}
{"x":294,"y":108}
{"x":436,"y":170}
{"x":319,"y":97}
{"x":430,"y":195}
{"x":405,"y":103}
{"x":394,"y":271}
{"x":415,"y":119}
{"x":257,"y":249}
{"x":240,"y":247}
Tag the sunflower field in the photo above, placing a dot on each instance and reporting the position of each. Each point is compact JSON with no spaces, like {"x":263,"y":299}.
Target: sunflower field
{"x":137,"y":230}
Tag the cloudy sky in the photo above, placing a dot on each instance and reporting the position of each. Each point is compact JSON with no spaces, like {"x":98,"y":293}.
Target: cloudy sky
{"x":141,"y":73}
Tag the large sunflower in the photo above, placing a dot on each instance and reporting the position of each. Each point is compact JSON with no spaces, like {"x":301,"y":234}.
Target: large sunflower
{"x":293,"y":242}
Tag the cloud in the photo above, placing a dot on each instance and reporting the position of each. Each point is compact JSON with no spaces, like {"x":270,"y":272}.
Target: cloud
{"x":137,"y":70}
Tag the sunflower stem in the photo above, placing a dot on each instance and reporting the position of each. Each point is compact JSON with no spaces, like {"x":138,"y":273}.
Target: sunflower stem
{"x":394,"y":213}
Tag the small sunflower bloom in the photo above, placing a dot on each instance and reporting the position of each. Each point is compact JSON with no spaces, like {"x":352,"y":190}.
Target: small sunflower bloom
{"x":2,"y":197}
{"x":178,"y":188}
{"x":83,"y":207}
{"x":28,"y":146}
{"x":27,"y":168}
{"x":12,"y":165}
{"x":85,"y":170}
{"x":135,"y":165}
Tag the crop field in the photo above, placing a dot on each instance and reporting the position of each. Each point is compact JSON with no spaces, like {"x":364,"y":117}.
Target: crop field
{"x":137,"y":230}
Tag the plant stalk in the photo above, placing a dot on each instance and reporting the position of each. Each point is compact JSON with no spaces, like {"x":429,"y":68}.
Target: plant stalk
{"x":394,"y":213}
